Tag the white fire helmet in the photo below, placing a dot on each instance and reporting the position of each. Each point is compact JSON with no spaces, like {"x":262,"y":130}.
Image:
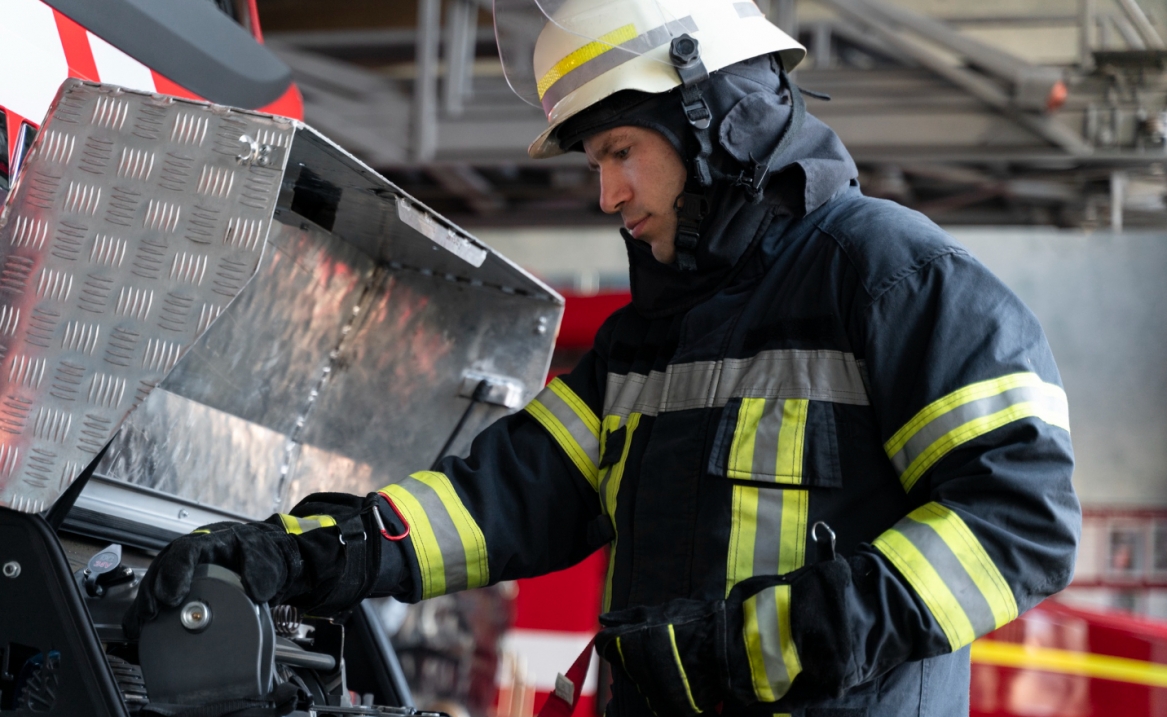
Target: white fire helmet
{"x":567,"y":55}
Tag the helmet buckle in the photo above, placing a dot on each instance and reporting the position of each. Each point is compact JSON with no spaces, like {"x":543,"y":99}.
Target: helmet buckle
{"x":685,"y":52}
{"x":698,"y":113}
{"x":691,"y":209}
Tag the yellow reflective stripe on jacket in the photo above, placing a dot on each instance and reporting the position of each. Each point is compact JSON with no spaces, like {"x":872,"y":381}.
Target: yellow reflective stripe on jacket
{"x":767,"y":533}
{"x":768,"y":440}
{"x":681,"y":670}
{"x":770,"y":648}
{"x":949,"y":569}
{"x":298,"y":526}
{"x":610,"y":479}
{"x":572,"y":424}
{"x":969,"y":413}
{"x":450,"y":547}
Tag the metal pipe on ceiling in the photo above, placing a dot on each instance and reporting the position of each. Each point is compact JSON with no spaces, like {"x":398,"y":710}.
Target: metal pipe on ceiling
{"x":461,"y":38}
{"x":425,"y":89}
{"x":1142,"y":24}
{"x":1034,"y":87}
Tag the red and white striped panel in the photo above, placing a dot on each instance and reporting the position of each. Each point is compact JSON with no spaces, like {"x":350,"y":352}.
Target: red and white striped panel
{"x":40,"y":48}
{"x":555,"y":617}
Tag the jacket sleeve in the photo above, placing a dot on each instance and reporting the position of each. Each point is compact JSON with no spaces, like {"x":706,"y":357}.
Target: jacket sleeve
{"x":522,"y":503}
{"x":975,"y":423}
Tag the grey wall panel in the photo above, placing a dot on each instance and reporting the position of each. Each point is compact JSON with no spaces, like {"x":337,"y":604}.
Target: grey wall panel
{"x":1102,"y":299}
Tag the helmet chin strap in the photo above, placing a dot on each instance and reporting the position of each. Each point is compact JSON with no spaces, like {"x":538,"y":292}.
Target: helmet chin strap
{"x":691,"y":208}
{"x":692,"y":205}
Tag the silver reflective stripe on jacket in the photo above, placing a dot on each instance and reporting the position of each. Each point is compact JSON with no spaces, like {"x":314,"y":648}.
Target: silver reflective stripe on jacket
{"x":572,"y":424}
{"x":969,"y":413}
{"x":785,"y":373}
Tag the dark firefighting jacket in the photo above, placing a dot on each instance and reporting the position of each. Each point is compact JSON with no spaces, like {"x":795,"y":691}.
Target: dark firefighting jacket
{"x":859,"y":367}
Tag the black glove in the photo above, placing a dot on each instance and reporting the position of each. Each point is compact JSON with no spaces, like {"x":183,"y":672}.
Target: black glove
{"x":325,"y":556}
{"x":688,"y":656}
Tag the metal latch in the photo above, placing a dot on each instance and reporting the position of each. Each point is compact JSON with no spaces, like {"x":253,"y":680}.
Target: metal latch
{"x":500,"y":390}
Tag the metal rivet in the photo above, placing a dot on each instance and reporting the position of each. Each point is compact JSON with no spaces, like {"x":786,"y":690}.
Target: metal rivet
{"x":182,"y":513}
{"x":11,"y":569}
{"x":195,"y":616}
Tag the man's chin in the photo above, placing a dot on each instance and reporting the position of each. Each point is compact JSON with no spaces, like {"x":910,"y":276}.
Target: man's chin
{"x":664,"y":255}
{"x":662,"y":251}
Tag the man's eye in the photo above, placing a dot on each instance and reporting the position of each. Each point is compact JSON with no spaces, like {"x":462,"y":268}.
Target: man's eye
{"x":622,"y":154}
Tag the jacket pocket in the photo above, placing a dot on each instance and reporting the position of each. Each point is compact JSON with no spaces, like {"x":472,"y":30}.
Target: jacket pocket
{"x":789,"y":442}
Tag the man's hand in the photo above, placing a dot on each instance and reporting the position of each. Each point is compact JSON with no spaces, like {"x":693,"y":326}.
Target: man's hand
{"x":326,"y":556}
{"x":266,"y":558}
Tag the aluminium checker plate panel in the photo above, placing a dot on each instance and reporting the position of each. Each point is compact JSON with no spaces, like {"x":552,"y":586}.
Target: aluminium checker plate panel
{"x":133,"y":226}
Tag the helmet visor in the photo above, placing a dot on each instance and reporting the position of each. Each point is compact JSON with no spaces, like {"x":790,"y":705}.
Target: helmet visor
{"x":549,"y":48}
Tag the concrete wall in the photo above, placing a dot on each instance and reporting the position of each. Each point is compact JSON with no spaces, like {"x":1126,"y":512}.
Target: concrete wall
{"x":1102,"y":299}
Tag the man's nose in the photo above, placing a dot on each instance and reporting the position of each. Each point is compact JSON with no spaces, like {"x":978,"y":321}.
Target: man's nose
{"x":615,"y":191}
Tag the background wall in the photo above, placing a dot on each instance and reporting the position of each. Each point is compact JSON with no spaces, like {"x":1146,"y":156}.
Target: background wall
{"x":1102,"y":299}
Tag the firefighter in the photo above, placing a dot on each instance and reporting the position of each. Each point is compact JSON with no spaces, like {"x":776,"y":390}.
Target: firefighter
{"x":826,"y":447}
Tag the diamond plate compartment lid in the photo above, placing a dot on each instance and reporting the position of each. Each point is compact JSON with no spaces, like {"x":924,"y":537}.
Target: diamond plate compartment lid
{"x":119,"y":245}
{"x":259,"y":313}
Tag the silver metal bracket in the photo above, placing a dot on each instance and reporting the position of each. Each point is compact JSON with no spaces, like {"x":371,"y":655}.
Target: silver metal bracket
{"x":460,"y":246}
{"x":501,"y":390}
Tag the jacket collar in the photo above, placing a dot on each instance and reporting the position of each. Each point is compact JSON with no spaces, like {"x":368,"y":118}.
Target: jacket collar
{"x":816,"y":167}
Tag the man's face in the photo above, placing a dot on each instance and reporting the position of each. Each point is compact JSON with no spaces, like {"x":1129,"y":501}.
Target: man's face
{"x":641,"y":176}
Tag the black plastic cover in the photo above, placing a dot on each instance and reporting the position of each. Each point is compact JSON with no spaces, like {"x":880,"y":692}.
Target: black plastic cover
{"x":231,"y":658}
{"x":191,"y":43}
{"x":45,"y":628}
